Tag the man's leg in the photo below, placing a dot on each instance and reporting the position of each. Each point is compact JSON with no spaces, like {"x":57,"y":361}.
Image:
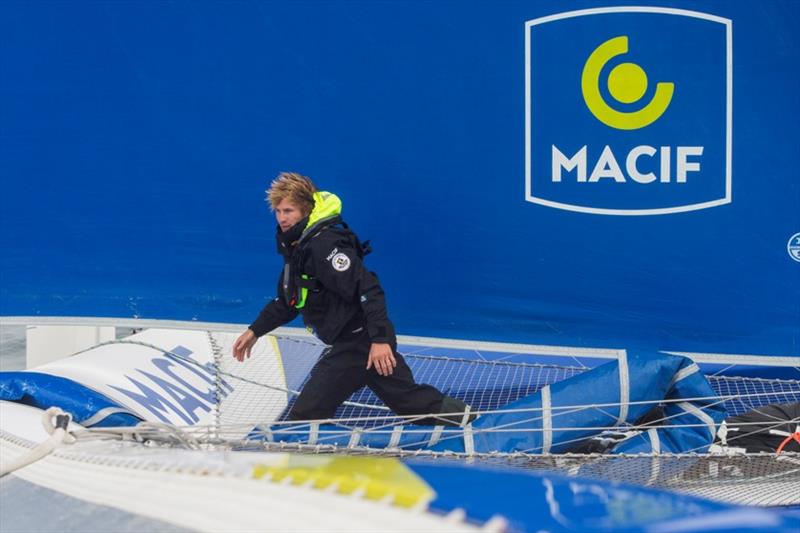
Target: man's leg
{"x":337,"y":375}
{"x":406,"y":397}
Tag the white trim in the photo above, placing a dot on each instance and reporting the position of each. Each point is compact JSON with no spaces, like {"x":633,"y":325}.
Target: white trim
{"x":528,"y":193}
{"x":355,"y":438}
{"x":624,"y":387}
{"x":434,"y":342}
{"x":728,"y":110}
{"x":469,"y":442}
{"x":313,"y":432}
{"x":698,"y":413}
{"x":436,"y":434}
{"x":728,"y":198}
{"x":267,"y":431}
{"x":626,"y":9}
{"x":397,"y":432}
{"x":523,"y":349}
{"x":682,"y":374}
{"x":655,"y":462}
{"x":741,"y":359}
{"x":655,"y":441}
{"x":465,"y":417}
{"x":629,"y":212}
{"x":547,"y":420}
{"x":120,"y":322}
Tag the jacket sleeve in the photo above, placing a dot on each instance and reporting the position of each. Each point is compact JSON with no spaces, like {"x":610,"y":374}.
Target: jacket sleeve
{"x":340,"y":270}
{"x":276,"y":313}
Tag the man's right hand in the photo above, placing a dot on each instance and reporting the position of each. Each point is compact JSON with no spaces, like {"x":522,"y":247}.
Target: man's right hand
{"x":243,"y":345}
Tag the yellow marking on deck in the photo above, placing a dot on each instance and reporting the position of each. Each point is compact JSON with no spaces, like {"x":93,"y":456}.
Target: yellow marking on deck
{"x":376,"y":477}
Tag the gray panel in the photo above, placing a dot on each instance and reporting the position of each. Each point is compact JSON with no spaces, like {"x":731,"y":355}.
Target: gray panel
{"x":30,"y":507}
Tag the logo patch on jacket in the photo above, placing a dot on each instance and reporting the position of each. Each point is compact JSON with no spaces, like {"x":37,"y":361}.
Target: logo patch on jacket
{"x":340,"y":262}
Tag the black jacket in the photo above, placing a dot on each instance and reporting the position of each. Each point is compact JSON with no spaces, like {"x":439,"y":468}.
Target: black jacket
{"x":343,"y":296}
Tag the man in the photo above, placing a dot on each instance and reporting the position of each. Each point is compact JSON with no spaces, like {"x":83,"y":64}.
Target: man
{"x":343,"y":304}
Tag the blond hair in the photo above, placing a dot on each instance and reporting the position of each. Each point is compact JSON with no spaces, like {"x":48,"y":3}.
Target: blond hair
{"x":298,"y":189}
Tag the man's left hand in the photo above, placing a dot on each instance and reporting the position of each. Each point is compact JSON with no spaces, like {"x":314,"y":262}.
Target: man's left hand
{"x":382,"y":358}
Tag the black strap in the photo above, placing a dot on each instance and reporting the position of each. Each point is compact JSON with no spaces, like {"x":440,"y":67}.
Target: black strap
{"x":362,"y":248}
{"x":310,"y":284}
{"x":366,"y":248}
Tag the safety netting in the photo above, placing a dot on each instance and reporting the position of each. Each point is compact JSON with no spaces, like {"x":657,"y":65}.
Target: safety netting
{"x":483,"y":383}
{"x":488,"y":383}
{"x":643,"y":418}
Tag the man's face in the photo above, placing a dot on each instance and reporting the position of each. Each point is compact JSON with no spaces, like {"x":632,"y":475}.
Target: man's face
{"x":288,"y":214}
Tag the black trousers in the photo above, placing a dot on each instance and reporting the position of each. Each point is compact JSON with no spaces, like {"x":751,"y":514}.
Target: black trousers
{"x":342,"y":371}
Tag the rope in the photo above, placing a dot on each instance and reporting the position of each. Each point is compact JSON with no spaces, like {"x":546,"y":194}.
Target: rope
{"x":217,"y":353}
{"x":58,"y":434}
{"x":221,"y":372}
{"x":391,"y":421}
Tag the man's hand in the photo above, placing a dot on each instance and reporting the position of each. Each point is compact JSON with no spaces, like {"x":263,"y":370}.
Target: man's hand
{"x":243,"y":345}
{"x":382,"y":358}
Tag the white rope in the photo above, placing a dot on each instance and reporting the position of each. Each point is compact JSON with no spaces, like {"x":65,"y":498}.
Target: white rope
{"x":623,"y":405}
{"x":438,"y":430}
{"x":334,"y":434}
{"x":222,"y":373}
{"x":569,"y":408}
{"x":105,"y":413}
{"x":395,"y":422}
{"x":58,"y":434}
{"x":760,"y":429}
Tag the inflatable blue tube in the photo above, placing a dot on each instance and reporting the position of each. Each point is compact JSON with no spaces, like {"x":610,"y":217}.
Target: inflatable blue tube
{"x":87,"y":407}
{"x":557,"y":417}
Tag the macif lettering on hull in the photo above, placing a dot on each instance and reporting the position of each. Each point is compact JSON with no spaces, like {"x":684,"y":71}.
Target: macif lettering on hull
{"x":628,"y":111}
{"x":174,"y":388}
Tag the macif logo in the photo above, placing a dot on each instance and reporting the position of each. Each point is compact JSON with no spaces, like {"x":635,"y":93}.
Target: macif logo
{"x":627,"y":83}
{"x":632,"y":116}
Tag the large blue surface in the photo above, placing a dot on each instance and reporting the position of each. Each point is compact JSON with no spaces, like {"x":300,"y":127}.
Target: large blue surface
{"x":542,"y":501}
{"x":137,"y":140}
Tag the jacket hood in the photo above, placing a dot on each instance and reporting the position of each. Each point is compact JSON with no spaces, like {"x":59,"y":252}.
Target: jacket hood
{"x":327,"y":206}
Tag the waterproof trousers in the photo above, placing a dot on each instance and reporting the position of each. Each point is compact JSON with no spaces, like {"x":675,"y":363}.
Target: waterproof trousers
{"x":342,"y":370}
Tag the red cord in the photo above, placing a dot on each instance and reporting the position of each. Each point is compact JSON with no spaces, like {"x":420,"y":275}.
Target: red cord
{"x":794,"y":436}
